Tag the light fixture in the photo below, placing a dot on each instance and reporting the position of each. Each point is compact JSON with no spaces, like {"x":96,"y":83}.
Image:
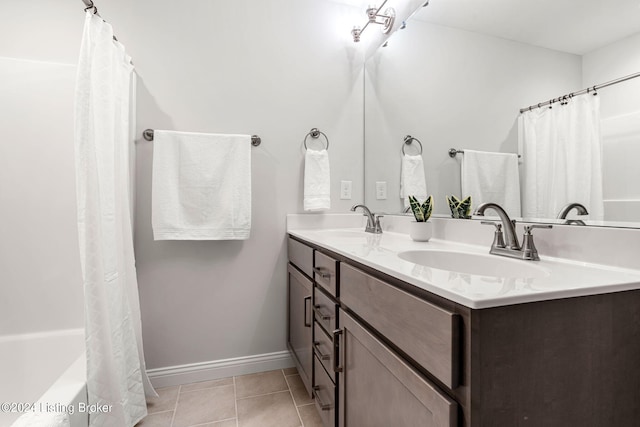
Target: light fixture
{"x":375,"y":17}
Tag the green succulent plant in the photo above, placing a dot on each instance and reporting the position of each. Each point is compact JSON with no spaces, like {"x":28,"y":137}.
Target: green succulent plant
{"x":422,"y":212}
{"x":459,"y":208}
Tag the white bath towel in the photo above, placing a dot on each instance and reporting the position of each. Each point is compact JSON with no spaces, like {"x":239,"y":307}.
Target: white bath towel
{"x":412,"y":180}
{"x":317,"y":180}
{"x":491,"y":177}
{"x":201,"y":186}
{"x":42,"y":419}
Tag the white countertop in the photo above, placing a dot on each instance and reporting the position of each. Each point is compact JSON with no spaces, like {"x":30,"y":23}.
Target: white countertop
{"x":563,"y":278}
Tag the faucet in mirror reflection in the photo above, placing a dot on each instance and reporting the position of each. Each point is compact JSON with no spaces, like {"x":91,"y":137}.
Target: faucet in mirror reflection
{"x":373,"y":220}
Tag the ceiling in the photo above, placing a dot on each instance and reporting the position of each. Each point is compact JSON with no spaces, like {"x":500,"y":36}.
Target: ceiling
{"x":574,"y":26}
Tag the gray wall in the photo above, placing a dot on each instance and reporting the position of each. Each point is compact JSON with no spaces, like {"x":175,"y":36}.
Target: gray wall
{"x":40,"y":279}
{"x":451,"y":88}
{"x":275,"y":68}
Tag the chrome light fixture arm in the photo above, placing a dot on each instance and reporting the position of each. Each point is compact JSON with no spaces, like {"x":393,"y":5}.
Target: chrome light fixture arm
{"x":374,"y":16}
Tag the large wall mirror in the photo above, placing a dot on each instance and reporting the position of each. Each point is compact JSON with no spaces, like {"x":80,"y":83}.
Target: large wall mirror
{"x":459,"y":73}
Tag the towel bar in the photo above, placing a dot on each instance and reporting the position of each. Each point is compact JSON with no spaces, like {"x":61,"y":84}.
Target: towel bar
{"x":453,"y":152}
{"x":148,"y":135}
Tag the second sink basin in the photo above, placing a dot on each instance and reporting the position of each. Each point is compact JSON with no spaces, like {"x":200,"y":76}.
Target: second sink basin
{"x":475,"y":264}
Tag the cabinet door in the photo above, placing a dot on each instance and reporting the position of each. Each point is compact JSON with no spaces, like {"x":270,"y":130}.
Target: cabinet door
{"x":378,"y":388}
{"x":300,"y":317}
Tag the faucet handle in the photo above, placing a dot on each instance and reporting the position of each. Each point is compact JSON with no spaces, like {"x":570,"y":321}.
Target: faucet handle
{"x":498,"y":237}
{"x":528,"y":228}
{"x":377,"y":227}
{"x":528,"y":247}
{"x":496,"y":224}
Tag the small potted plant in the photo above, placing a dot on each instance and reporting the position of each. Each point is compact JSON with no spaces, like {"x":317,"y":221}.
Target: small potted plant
{"x":459,"y":208}
{"x":421,"y":230}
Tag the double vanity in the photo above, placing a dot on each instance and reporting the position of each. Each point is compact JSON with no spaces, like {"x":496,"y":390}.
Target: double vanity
{"x":385,"y":331}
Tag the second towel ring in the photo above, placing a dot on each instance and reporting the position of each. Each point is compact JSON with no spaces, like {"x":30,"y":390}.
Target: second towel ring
{"x":408,"y":140}
{"x":315,"y":133}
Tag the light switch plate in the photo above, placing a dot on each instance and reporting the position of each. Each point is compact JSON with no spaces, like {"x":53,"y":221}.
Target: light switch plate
{"x":345,"y":190}
{"x":381,"y":190}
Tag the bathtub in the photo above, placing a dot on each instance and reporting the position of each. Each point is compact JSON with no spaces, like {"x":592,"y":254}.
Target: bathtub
{"x":46,"y":368}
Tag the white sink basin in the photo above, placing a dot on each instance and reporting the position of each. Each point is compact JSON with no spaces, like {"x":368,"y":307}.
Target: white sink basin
{"x":475,"y":264}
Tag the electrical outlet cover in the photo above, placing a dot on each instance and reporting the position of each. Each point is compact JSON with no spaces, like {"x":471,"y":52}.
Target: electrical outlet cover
{"x":345,"y":190}
{"x":381,"y":190}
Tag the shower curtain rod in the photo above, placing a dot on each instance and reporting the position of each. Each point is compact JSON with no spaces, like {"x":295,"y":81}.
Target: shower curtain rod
{"x":90,"y":5}
{"x":593,"y":88}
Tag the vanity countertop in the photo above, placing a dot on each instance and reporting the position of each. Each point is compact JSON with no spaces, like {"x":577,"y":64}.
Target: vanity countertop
{"x":555,"y":278}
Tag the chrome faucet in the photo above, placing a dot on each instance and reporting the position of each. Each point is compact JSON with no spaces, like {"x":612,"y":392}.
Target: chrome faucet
{"x":578,"y":207}
{"x":373,"y":220}
{"x":512,"y":248}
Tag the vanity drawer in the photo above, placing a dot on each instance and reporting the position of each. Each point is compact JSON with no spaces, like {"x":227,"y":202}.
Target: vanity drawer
{"x":323,"y":348}
{"x":324,"y":310}
{"x":326,"y":269}
{"x":324,"y":394}
{"x":428,"y":334}
{"x":377,"y":387}
{"x":301,"y":256}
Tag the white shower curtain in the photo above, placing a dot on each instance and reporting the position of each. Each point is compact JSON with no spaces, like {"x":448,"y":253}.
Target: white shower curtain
{"x":116,"y":373}
{"x":562,"y":158}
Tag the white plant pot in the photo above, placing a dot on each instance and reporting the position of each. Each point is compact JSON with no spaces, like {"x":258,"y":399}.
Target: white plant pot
{"x":420,"y":231}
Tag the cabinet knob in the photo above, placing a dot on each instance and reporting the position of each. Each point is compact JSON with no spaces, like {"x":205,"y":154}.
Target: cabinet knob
{"x":319,"y":353}
{"x":320,"y":272}
{"x":323,"y":406}
{"x":307,"y":299}
{"x":336,"y":348}
{"x":321,"y":315}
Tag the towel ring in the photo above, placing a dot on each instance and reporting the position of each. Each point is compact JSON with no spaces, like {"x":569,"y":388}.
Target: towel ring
{"x":315,"y":133}
{"x":408,"y":140}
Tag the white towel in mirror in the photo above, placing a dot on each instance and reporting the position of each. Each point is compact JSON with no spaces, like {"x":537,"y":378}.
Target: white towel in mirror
{"x":412,"y":179}
{"x":491,"y":177}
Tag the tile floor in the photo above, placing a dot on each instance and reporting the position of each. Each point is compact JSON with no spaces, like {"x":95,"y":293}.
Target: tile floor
{"x":273,"y":398}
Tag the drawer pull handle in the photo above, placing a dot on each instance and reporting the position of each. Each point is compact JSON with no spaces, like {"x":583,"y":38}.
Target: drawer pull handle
{"x":323,"y":406}
{"x":336,"y":348}
{"x":320,"y":272}
{"x":306,"y":315}
{"x":319,"y":353}
{"x":321,"y":315}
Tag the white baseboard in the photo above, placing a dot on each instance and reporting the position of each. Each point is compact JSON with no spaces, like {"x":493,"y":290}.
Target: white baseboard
{"x":216,"y":369}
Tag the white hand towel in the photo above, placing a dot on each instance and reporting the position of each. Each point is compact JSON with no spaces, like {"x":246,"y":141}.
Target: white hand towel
{"x":201,"y":186}
{"x":491,"y":177}
{"x":412,"y":180}
{"x":317,"y":180}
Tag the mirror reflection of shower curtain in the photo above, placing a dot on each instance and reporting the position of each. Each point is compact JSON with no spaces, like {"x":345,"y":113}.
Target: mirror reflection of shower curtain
{"x":116,"y":372}
{"x":562,"y":158}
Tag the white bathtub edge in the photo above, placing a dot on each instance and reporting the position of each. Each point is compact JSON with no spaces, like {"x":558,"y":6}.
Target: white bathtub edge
{"x":71,"y":389}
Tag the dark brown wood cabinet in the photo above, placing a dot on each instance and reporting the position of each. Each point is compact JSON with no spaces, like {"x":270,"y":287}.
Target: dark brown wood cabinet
{"x":380,"y":389}
{"x":300,"y":324}
{"x":385,"y":353}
